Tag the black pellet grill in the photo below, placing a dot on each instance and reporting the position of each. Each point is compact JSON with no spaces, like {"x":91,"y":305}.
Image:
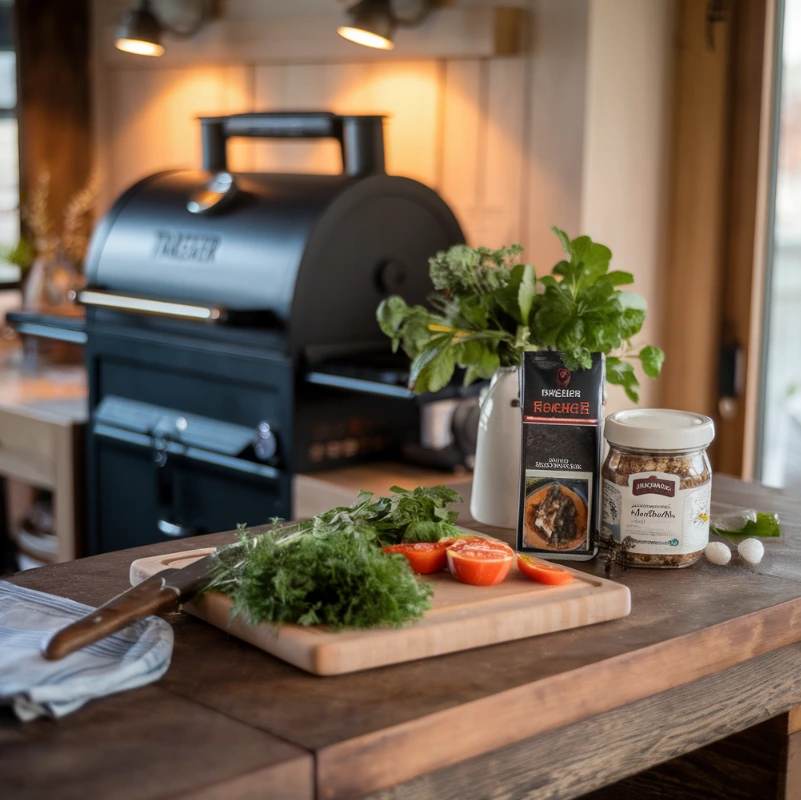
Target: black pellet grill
{"x":232,"y":339}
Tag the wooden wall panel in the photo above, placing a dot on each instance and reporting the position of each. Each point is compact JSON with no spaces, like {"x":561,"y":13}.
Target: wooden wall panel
{"x":557,"y":68}
{"x":408,"y":93}
{"x":153,"y":118}
{"x":459,"y":140}
{"x":502,"y":162}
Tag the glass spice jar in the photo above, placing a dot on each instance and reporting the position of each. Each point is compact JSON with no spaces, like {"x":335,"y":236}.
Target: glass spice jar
{"x":657,"y":486}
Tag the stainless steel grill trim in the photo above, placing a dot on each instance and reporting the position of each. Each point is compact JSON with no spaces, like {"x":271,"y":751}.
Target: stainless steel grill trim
{"x":144,"y":305}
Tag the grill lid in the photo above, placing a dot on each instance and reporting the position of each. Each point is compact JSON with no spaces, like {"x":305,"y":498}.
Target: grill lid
{"x":313,"y":253}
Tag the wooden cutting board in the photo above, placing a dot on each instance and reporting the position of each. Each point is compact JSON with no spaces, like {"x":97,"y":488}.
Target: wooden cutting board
{"x":462,"y":617}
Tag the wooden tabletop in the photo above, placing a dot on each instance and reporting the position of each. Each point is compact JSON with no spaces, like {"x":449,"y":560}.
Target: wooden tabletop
{"x":57,"y":390}
{"x":229,"y":720}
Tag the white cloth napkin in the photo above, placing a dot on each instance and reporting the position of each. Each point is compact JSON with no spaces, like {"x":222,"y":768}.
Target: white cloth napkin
{"x":34,"y":686}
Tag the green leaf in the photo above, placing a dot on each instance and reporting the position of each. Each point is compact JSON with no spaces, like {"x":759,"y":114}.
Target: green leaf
{"x":618,"y":278}
{"x":474,"y":313}
{"x":563,"y":238}
{"x":577,"y":358}
{"x":591,"y":258}
{"x":435,"y":372}
{"x":526,"y":292}
{"x":652,"y":359}
{"x":565,"y":269}
{"x":390,"y":314}
{"x":632,"y":300}
{"x":633,"y":316}
{"x":468,"y":352}
{"x":489,"y":364}
{"x":631,"y":322}
{"x":621,"y":373}
{"x":766,"y":525}
{"x":430,"y":353}
{"x":471,"y":375}
{"x":517,"y":298}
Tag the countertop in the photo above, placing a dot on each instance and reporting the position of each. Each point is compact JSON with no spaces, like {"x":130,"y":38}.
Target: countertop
{"x":518,"y":719}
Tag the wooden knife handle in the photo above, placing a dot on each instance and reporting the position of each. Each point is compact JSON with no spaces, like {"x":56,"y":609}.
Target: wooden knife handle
{"x":151,"y":596}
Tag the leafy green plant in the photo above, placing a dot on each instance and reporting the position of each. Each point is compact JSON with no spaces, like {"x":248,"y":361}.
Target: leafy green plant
{"x":330,"y":570}
{"x":488,"y":310}
{"x":20,"y":255}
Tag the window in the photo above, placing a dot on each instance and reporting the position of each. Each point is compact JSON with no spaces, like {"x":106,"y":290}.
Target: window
{"x":781,"y":400}
{"x":9,"y":143}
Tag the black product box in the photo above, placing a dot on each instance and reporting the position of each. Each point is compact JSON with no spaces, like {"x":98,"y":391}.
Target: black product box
{"x":560,"y":463}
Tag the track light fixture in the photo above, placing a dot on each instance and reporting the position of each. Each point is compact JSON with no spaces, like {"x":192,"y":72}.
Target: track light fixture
{"x":141,"y":31}
{"x":372,"y":23}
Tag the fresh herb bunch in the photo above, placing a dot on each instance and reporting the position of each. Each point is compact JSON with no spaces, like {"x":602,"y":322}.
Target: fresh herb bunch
{"x":333,"y":576}
{"x":488,"y":310}
{"x":330,"y":570}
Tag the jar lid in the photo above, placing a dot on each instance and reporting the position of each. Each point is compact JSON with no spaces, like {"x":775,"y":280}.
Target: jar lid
{"x":659,"y":429}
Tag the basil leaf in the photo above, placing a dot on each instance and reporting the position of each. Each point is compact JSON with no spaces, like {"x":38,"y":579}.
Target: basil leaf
{"x":433,"y":369}
{"x":617,"y":278}
{"x":652,"y":359}
{"x":621,"y":373}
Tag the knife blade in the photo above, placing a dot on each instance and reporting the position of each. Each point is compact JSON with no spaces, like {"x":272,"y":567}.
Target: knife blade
{"x":158,"y":594}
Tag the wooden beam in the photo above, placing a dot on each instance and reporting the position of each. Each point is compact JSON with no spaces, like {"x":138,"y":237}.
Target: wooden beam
{"x":54,"y":107}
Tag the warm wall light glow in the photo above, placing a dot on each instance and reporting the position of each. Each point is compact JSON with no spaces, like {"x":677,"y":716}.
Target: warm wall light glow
{"x":138,"y":47}
{"x":365,"y":37}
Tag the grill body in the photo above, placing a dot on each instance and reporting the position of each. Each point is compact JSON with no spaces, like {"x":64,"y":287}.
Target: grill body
{"x":232,"y":340}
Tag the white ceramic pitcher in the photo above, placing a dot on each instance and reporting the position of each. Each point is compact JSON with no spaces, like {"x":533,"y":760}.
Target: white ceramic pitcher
{"x":496,"y":476}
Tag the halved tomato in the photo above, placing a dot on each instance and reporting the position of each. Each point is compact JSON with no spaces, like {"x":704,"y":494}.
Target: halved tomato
{"x":536,"y":569}
{"x":424,"y":557}
{"x":479,"y":562}
{"x":452,"y":540}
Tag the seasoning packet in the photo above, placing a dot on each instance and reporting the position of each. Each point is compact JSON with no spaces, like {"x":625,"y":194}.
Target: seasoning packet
{"x":561,"y":456}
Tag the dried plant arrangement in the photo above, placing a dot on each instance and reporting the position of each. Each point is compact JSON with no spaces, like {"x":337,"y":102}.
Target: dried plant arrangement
{"x":44,"y":240}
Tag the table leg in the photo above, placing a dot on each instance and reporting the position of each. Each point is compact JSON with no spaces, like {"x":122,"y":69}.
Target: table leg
{"x":792,"y":777}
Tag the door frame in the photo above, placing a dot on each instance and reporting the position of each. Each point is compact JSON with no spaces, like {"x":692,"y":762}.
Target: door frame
{"x":724,"y":109}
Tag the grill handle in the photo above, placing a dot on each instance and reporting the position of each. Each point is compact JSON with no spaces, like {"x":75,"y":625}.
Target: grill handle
{"x":360,"y":137}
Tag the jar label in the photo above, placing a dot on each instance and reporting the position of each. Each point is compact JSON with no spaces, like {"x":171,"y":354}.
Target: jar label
{"x":654,"y":516}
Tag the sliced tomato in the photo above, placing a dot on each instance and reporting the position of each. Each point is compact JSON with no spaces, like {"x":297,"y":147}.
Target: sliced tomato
{"x":535,"y":569}
{"x":424,"y":557}
{"x":449,"y":542}
{"x":479,"y":562}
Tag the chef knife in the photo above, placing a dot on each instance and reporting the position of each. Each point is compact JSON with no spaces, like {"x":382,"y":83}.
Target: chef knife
{"x":158,"y":594}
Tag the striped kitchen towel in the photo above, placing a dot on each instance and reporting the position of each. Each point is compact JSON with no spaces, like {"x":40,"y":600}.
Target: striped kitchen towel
{"x":34,"y":686}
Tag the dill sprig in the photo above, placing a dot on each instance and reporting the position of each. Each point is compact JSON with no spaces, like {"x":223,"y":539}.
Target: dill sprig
{"x":330,"y":570}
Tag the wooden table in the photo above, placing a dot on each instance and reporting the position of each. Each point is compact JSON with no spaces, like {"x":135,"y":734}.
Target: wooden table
{"x":706,"y":653}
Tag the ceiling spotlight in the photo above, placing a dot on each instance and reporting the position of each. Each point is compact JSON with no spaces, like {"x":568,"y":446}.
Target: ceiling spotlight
{"x":141,"y":31}
{"x":372,"y":23}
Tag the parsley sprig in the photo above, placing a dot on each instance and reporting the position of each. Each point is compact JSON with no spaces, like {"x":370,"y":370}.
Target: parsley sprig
{"x":330,"y":570}
{"x":488,"y":310}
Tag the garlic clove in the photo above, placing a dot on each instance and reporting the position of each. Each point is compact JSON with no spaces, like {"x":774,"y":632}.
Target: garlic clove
{"x":718,"y":553}
{"x":751,"y":550}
